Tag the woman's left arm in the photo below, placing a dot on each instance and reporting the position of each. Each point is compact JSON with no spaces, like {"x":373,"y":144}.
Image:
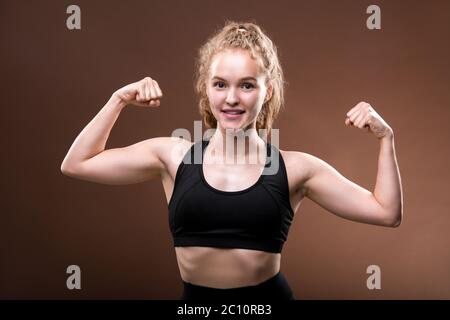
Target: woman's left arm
{"x":328,"y":188}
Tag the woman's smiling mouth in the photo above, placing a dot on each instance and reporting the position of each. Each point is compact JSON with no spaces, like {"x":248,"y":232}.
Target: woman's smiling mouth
{"x":232,"y":113}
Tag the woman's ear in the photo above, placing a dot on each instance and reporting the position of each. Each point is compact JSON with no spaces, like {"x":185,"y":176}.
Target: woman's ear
{"x":268,"y":93}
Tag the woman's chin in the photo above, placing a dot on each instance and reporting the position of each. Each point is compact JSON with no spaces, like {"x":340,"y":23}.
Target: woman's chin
{"x":232,"y":127}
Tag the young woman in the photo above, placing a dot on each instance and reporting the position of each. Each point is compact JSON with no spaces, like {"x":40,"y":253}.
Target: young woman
{"x":230,"y":220}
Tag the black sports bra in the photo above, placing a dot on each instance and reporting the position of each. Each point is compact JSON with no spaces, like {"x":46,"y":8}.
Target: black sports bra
{"x":257,"y":217}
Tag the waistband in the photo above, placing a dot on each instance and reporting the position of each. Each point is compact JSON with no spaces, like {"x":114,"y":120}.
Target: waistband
{"x":265,"y":283}
{"x":274,"y":288}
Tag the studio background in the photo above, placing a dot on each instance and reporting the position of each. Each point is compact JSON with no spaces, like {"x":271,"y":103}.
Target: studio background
{"x":55,"y":80}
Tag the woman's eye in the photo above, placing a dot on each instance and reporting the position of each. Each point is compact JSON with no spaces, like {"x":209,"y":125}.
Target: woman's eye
{"x":217,"y":84}
{"x":246,"y":85}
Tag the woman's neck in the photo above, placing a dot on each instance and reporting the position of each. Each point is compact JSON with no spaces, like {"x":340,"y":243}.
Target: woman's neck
{"x":237,"y":147}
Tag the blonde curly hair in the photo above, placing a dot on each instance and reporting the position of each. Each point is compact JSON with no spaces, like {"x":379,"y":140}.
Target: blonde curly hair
{"x":248,"y":36}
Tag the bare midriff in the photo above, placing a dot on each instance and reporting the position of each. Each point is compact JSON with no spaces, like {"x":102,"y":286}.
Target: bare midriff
{"x":226,"y":268}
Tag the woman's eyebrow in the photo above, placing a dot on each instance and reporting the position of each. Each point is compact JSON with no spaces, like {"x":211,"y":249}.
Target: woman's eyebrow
{"x":245,"y":78}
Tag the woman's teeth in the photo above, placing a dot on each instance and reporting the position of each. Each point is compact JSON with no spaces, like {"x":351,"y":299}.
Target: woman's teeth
{"x":232,"y":115}
{"x":234,"y":112}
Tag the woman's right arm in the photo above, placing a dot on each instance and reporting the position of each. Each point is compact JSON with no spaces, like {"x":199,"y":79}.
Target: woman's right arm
{"x":87,"y":158}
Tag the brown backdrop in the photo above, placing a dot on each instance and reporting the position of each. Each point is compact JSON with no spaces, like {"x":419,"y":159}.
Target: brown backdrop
{"x":54,"y":81}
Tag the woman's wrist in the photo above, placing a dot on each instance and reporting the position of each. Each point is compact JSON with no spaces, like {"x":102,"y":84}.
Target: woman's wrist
{"x":117,"y":101}
{"x":388,"y":136}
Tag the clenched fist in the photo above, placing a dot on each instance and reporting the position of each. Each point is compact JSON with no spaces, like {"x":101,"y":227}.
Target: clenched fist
{"x":363,"y":115}
{"x":143,"y":93}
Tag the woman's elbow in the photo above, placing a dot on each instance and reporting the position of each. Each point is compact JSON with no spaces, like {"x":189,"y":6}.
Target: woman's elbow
{"x":394,"y":221}
{"x":67,"y":170}
{"x":396,"y":224}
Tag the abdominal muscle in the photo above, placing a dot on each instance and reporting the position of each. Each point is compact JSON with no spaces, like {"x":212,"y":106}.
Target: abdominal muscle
{"x":226,"y":268}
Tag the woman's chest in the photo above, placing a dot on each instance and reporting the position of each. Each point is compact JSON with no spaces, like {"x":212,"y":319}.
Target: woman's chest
{"x":231,"y":178}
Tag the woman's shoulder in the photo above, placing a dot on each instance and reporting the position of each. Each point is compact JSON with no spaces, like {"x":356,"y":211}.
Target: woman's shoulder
{"x":302,"y":163}
{"x":295,"y":156}
{"x":172,"y":149}
{"x":169,"y":143}
{"x":299,"y":163}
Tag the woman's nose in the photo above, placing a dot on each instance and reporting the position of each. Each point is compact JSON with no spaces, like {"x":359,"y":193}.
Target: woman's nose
{"x":232,"y":97}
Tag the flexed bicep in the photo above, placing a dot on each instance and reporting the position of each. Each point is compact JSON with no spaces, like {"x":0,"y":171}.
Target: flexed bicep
{"x":136,"y":163}
{"x":331,"y":190}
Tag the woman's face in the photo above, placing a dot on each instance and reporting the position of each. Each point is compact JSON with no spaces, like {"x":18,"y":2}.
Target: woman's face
{"x":236,"y":89}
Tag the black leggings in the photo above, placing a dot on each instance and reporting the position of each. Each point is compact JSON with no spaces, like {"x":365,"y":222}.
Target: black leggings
{"x":275,"y":288}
